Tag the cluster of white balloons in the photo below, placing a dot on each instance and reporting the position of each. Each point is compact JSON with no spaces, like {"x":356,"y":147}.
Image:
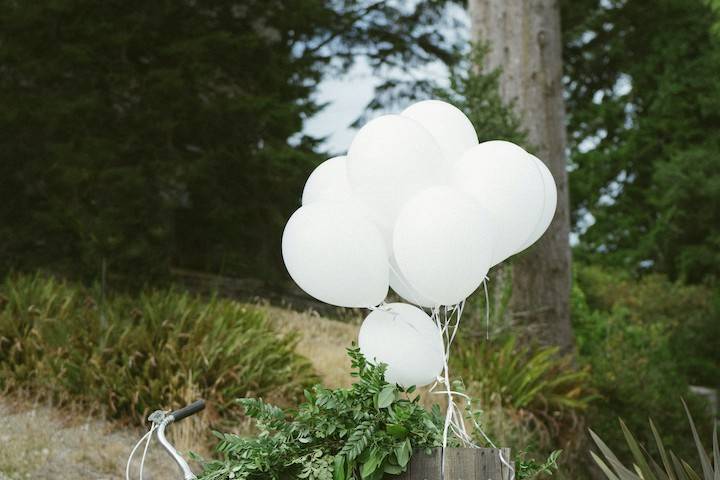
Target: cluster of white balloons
{"x":419,"y":205}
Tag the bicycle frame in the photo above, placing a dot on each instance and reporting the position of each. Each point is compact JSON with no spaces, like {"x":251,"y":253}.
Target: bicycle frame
{"x":162,"y":421}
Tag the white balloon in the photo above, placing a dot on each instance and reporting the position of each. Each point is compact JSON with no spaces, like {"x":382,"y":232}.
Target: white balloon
{"x":443,"y":242}
{"x":402,"y":287}
{"x":549,"y":204}
{"x":336,"y":255}
{"x":391,"y":158}
{"x":407,"y":340}
{"x":505,"y":180}
{"x":328,"y":182}
{"x":452,"y":130}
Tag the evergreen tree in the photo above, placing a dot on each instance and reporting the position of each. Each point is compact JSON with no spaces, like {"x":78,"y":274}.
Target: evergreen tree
{"x":160,"y":134}
{"x":644,"y":103}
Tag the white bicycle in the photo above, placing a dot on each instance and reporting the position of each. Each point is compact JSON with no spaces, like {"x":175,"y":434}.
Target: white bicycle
{"x":160,"y":420}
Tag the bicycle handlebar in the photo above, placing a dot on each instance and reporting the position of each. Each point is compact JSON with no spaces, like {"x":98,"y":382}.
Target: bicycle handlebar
{"x":188,"y":410}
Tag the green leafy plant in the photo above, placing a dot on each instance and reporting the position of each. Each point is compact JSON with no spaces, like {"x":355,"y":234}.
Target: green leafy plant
{"x":660,"y":328}
{"x":645,"y":467}
{"x":530,"y":468}
{"x":534,"y":386}
{"x":362,"y":432}
{"x":132,"y":354}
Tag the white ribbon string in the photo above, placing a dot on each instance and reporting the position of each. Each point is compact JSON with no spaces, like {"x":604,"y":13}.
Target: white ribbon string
{"x":448,"y":321}
{"x":147,"y":444}
{"x":148,"y":437}
{"x":487,"y":309}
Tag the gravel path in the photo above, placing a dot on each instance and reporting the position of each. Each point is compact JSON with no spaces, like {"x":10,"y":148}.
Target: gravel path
{"x":41,"y":444}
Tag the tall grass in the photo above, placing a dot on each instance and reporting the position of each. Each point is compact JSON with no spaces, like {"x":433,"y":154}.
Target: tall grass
{"x":130,"y":355}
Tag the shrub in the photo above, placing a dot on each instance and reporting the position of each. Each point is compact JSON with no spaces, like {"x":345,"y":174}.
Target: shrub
{"x":686,"y":314}
{"x":368,"y":431}
{"x":129,"y":355}
{"x":533,"y":399}
{"x":641,"y":338}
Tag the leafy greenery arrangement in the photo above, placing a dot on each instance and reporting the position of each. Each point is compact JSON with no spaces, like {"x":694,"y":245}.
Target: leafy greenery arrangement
{"x":363,"y":432}
{"x":646,"y":468}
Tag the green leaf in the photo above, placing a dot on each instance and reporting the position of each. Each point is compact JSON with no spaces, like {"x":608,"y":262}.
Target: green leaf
{"x":393,"y":469}
{"x":603,"y":466}
{"x":403,"y":453}
{"x":386,"y":396}
{"x":397,"y":430}
{"x":372,"y":464}
{"x":704,"y":459}
{"x":637,"y":453}
{"x":663,"y":452}
{"x":339,"y":468}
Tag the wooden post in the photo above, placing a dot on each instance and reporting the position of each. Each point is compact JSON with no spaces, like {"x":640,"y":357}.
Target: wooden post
{"x":460,"y":464}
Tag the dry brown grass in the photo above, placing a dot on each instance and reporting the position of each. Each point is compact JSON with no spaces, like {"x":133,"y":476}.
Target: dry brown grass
{"x":322,"y":340}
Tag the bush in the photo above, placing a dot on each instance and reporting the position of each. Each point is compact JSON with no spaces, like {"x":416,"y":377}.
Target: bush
{"x":644,"y":340}
{"x":129,"y":355}
{"x":532,"y":398}
{"x":687,"y":315}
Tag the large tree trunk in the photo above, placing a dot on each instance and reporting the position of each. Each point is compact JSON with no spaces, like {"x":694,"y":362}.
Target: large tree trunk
{"x":524,"y":40}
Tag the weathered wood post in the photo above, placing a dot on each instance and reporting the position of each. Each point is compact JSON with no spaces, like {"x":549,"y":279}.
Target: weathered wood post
{"x":460,"y":464}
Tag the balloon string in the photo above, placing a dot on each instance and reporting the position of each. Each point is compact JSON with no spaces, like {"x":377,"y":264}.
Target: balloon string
{"x":487,"y":309}
{"x":454,"y":418}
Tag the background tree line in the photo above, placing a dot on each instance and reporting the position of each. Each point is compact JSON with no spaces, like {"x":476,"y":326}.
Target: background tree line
{"x":171,"y":135}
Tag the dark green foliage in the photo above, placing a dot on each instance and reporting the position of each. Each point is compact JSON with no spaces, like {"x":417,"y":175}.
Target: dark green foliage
{"x":363,"y":432}
{"x":651,"y":313}
{"x":133,"y":355}
{"x":167,"y":134}
{"x":644,"y":341}
{"x":666,"y":466}
{"x":644,"y":110}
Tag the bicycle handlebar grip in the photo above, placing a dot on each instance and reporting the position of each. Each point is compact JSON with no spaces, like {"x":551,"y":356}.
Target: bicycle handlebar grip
{"x":188,"y":410}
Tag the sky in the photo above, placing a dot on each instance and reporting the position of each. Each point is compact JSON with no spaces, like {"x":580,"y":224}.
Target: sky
{"x":347,"y":97}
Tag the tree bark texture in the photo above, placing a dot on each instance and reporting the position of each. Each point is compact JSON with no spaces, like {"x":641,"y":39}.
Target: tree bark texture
{"x":525,"y":42}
